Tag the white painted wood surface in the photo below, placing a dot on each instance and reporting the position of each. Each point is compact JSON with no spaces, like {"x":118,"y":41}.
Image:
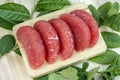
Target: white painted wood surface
{"x":12,"y":66}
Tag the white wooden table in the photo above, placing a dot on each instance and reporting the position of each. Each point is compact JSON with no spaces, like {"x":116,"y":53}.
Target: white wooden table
{"x":9,"y":68}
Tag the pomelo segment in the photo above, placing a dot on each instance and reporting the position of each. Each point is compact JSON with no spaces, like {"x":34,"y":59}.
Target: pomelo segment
{"x":66,"y":38}
{"x":33,"y":46}
{"x":50,"y":38}
{"x":92,"y":24}
{"x":80,"y":30}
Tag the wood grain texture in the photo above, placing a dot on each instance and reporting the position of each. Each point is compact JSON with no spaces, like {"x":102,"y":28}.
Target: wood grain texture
{"x":78,"y":56}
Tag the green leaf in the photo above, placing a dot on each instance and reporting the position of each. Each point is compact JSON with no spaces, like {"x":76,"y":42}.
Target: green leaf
{"x":69,"y":73}
{"x":42,"y":78}
{"x":7,"y":43}
{"x":83,"y":76}
{"x":14,"y":12}
{"x":112,"y":72}
{"x":115,"y":62}
{"x":106,"y":58}
{"x":114,"y":22}
{"x":91,"y":73}
{"x":107,"y":76}
{"x":104,"y":9}
{"x":112,"y":40}
{"x":7,"y":24}
{"x":17,"y":51}
{"x":116,"y":6}
{"x":82,"y":73}
{"x":43,"y":12}
{"x":85,"y":66}
{"x":112,"y":12}
{"x":54,"y":76}
{"x":51,"y":5}
{"x":95,"y":14}
{"x":116,"y":70}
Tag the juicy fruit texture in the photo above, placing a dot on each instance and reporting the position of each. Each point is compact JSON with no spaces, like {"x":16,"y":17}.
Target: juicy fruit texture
{"x":50,"y":38}
{"x":80,"y":30}
{"x":92,"y":24}
{"x":58,"y":37}
{"x":33,"y":46}
{"x":66,"y":38}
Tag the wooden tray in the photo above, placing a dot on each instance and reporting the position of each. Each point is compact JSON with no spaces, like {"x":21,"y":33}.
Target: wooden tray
{"x":46,"y":68}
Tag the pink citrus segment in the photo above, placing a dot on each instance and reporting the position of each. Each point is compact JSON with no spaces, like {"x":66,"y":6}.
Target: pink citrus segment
{"x":50,"y":38}
{"x":66,"y":38}
{"x":92,"y":24}
{"x":80,"y":30}
{"x":33,"y":45}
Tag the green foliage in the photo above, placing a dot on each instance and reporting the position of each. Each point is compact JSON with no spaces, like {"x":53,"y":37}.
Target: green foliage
{"x":17,"y":51}
{"x":55,"y":76}
{"x":107,"y":14}
{"x":47,"y":6}
{"x":14,"y":12}
{"x":91,"y":73}
{"x":111,"y":39}
{"x":106,"y":58}
{"x":11,"y":14}
{"x":7,"y":43}
{"x":70,"y":73}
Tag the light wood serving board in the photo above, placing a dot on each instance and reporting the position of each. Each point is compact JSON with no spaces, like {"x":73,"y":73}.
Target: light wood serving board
{"x":77,"y":56}
{"x":17,"y":70}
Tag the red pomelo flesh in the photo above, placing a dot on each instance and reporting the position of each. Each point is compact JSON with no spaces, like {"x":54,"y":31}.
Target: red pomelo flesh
{"x":66,"y":38}
{"x":33,"y":45}
{"x":80,"y":30}
{"x":92,"y":24}
{"x":50,"y":38}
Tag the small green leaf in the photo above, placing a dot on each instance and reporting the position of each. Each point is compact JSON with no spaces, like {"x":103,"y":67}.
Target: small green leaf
{"x":103,"y":10}
{"x":112,"y":12}
{"x":91,"y":73}
{"x":115,"y":62}
{"x":51,"y":4}
{"x":55,"y":76}
{"x":14,"y":12}
{"x":111,"y":72}
{"x":114,"y":22}
{"x":69,"y":73}
{"x":116,"y":70}
{"x":42,"y":78}
{"x":7,"y":24}
{"x":17,"y":51}
{"x":7,"y":43}
{"x":83,"y":76}
{"x":107,"y":76}
{"x":112,"y":40}
{"x":116,"y":6}
{"x":106,"y":58}
{"x":85,"y":66}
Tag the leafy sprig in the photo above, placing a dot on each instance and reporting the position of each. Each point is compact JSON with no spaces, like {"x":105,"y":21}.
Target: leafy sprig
{"x":71,"y":73}
{"x":107,"y":14}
